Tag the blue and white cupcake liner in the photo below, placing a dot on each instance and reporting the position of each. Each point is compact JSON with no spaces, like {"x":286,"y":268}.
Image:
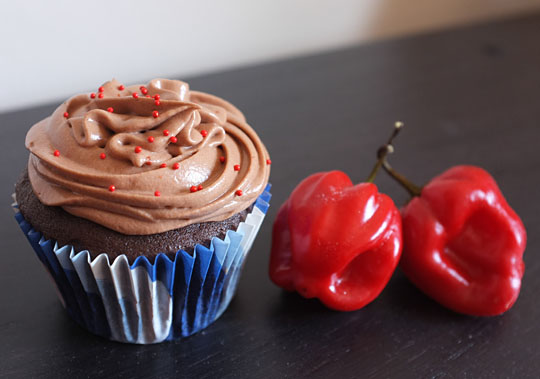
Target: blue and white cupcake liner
{"x":149,"y":302}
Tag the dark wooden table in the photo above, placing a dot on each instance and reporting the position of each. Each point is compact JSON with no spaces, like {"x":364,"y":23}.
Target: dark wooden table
{"x":467,"y":96}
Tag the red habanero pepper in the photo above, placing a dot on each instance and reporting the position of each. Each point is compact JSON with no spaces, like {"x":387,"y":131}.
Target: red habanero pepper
{"x":336,"y":241}
{"x":462,"y":243}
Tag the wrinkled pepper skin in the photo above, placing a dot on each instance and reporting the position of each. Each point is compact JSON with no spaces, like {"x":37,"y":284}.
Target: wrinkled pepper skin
{"x":463,"y":244}
{"x":336,"y":241}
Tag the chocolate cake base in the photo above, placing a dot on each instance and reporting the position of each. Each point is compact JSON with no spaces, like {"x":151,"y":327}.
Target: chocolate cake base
{"x":55,"y":223}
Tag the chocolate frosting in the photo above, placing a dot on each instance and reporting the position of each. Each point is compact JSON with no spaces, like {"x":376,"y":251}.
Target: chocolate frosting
{"x":144,"y":165}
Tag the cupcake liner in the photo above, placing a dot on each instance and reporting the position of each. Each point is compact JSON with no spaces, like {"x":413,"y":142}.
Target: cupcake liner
{"x":149,"y":302}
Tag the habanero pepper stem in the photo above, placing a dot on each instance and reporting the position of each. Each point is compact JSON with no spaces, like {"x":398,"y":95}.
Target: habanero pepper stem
{"x":413,"y":189}
{"x":384,"y":151}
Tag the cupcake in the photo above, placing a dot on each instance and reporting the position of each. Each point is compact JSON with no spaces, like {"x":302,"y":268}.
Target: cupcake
{"x":142,"y":202}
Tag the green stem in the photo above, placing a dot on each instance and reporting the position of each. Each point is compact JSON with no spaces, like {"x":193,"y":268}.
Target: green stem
{"x":383,"y":152}
{"x":412,"y":188}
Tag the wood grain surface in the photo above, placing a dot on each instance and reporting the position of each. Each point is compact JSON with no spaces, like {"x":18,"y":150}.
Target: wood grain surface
{"x":467,"y":96}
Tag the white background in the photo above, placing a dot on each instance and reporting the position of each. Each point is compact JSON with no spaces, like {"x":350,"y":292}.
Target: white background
{"x":50,"y":50}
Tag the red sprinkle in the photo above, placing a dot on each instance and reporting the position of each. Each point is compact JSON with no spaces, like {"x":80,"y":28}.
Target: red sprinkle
{"x":112,"y":188}
{"x":56,"y":153}
{"x":100,"y":95}
{"x":199,"y":188}
{"x":148,"y":163}
{"x":268,"y":161}
{"x":204,"y":133}
{"x":110,"y":109}
{"x":66,"y":115}
{"x":157,"y":193}
{"x":163,"y":165}
{"x":176,"y":166}
{"x":148,"y":96}
{"x":92,"y":95}
{"x":143,"y":89}
{"x":101,"y":89}
{"x":173,"y":139}
{"x":135,"y":95}
{"x":222,"y":159}
{"x":155,"y":114}
{"x":121,"y":87}
{"x":238,"y":192}
{"x":150,"y":139}
{"x":156,"y":97}
{"x":157,"y":102}
{"x":102,"y":156}
{"x":236,"y":167}
{"x":193,"y":189}
{"x":138,"y":149}
{"x":165,"y":132}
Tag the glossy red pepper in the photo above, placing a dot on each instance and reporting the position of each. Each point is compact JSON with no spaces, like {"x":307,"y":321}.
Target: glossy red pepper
{"x":336,"y":241}
{"x":463,"y":244}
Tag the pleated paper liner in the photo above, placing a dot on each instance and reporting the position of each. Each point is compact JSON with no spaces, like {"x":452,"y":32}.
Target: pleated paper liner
{"x":149,"y":302}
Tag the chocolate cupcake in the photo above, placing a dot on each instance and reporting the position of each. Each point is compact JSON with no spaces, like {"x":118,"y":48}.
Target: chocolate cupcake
{"x":142,"y":202}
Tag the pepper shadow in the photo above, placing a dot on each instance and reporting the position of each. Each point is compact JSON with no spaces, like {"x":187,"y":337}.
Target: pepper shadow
{"x":404,"y":297}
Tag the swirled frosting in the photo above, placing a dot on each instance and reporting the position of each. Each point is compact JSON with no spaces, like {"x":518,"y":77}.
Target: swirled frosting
{"x":147,"y":159}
